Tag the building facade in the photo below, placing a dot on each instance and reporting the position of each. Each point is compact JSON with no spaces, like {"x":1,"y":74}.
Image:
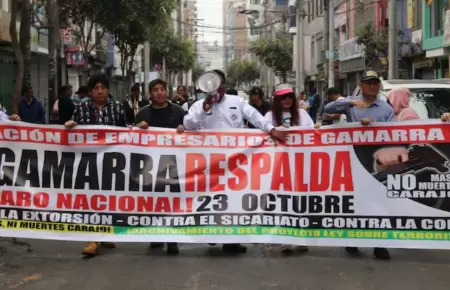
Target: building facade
{"x":235,"y":32}
{"x":435,"y":33}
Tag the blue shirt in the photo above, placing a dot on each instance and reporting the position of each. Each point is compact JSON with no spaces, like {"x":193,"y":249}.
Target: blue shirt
{"x":378,"y":111}
{"x":32,"y":112}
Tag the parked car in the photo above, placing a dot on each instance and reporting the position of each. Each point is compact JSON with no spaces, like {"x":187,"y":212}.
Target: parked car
{"x":429,"y":98}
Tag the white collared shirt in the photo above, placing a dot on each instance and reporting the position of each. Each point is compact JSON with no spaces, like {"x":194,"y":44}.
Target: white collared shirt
{"x":4,"y":117}
{"x":229,"y":113}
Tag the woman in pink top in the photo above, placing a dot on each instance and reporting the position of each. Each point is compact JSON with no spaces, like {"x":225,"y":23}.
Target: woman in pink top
{"x":399,"y":99}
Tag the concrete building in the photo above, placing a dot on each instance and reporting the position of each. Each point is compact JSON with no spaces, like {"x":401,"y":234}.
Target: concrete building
{"x":436,"y":37}
{"x":210,"y":55}
{"x":314,"y":54}
{"x":235,"y":32}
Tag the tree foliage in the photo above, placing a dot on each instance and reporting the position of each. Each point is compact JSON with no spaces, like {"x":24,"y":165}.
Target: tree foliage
{"x":242,"y":72}
{"x":275,"y":53}
{"x":128,"y":20}
{"x":177,"y":53}
{"x":197,"y":71}
{"x":375,"y":42}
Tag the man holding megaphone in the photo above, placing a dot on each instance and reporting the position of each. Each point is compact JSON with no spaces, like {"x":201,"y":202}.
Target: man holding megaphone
{"x":222,"y":111}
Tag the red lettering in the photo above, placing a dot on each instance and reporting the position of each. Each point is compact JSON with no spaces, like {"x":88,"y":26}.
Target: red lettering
{"x":260,"y":166}
{"x":64,"y":201}
{"x":281,"y":173}
{"x":126,"y":203}
{"x":299,"y":179}
{"x":81,"y":202}
{"x":145,"y":204}
{"x":23,"y":199}
{"x":7,"y":198}
{"x":41,"y":200}
{"x":189,"y":201}
{"x":112,"y":203}
{"x":177,"y":205}
{"x":216,"y":171}
{"x":162,"y":204}
{"x":241,"y":180}
{"x":98,"y":202}
{"x":342,"y":172}
{"x":320,"y":171}
{"x":195,"y":171}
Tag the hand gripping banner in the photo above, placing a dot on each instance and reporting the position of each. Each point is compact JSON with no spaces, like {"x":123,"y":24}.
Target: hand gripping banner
{"x":377,"y":186}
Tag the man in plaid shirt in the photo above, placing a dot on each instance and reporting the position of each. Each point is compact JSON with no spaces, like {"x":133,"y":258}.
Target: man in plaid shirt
{"x":98,"y":110}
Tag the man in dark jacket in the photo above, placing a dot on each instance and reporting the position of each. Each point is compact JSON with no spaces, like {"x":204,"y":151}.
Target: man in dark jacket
{"x":30,"y":109}
{"x":133,"y":104}
{"x":164,"y":114}
{"x":257,"y":101}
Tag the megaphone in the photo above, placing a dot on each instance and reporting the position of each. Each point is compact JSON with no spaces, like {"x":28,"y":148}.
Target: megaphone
{"x":209,"y":82}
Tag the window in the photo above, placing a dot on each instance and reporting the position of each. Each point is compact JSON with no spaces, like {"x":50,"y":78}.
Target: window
{"x":417,"y":14}
{"x":437,"y":18}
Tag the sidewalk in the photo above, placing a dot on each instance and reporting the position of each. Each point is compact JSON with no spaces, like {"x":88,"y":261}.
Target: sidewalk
{"x":58,"y":265}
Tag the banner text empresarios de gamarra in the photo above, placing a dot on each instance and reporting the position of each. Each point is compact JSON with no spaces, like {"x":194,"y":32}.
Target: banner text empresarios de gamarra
{"x":164,"y":138}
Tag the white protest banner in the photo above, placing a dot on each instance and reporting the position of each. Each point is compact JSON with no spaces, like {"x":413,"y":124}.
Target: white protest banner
{"x":384,"y":186}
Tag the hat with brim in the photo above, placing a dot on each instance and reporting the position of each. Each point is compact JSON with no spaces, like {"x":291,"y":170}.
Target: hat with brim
{"x":283,"y":89}
{"x":369,"y":76}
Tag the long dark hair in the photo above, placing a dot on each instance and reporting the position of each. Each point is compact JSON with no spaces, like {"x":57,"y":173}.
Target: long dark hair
{"x":277,"y":110}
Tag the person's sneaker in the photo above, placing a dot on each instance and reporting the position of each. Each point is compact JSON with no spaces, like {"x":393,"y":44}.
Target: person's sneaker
{"x":172,"y":249}
{"x":91,"y":249}
{"x":157,"y":245}
{"x":352,"y":250}
{"x":108,"y":245}
{"x":234,"y":248}
{"x":381,"y":253}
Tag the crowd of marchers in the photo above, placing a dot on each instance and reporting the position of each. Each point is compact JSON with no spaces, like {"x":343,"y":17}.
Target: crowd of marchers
{"x":94,"y":105}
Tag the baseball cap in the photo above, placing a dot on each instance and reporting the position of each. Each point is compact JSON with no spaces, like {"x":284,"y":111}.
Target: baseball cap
{"x":370,"y":75}
{"x":256,"y":91}
{"x":283,"y":89}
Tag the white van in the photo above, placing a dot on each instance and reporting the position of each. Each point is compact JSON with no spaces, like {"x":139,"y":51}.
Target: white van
{"x":429,"y":98}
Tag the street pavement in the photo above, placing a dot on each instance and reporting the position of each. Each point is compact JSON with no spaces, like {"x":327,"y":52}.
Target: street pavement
{"x":52,"y":265}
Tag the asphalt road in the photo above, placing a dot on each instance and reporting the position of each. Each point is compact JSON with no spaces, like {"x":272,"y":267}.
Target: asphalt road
{"x":54,"y":265}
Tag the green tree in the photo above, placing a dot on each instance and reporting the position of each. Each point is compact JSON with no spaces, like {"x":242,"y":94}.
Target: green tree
{"x":119,"y":17}
{"x":197,"y":71}
{"x":177,"y":54}
{"x":244,"y":72}
{"x":275,"y":53}
{"x":376,"y":43}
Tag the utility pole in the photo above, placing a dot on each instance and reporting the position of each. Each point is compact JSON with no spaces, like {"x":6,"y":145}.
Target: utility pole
{"x":326,"y":32}
{"x":331,"y":75}
{"x":263,"y":66}
{"x":53,"y":34}
{"x":146,"y":67}
{"x":392,"y":56}
{"x":300,"y":37}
